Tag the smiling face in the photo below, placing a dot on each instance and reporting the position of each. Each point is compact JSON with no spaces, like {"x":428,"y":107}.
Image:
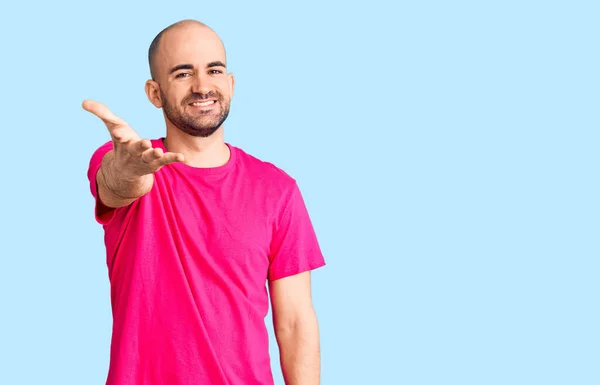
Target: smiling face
{"x":191,"y":83}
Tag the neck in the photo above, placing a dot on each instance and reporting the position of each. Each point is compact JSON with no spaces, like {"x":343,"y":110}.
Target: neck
{"x":198,"y":152}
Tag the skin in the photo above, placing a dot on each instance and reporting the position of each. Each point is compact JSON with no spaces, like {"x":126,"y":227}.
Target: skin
{"x":190,"y":66}
{"x":200,"y":56}
{"x":296,"y":329}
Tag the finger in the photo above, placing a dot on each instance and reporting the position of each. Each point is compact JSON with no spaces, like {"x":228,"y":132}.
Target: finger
{"x":151,"y":154}
{"x":123,"y":134}
{"x":171,"y":157}
{"x":101,"y":111}
{"x":139,"y":147}
{"x":119,"y":129}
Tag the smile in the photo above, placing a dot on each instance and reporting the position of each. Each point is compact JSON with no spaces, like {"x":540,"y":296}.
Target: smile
{"x":203,"y":104}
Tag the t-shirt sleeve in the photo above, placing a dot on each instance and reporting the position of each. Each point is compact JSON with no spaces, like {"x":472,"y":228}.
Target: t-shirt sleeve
{"x":294,"y":245}
{"x":102,"y":214}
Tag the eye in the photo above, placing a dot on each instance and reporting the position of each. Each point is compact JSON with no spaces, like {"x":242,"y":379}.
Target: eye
{"x":181,"y":75}
{"x":215,"y":72}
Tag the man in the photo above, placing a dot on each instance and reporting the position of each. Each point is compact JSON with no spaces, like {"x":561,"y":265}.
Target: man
{"x":194,"y":230}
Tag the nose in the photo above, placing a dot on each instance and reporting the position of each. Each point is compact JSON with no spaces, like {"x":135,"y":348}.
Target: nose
{"x":201,"y":84}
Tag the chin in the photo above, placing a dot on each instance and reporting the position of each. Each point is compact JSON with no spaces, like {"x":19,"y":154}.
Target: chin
{"x":199,"y":131}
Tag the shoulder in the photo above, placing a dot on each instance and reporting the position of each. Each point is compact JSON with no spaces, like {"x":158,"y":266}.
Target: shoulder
{"x":265,"y":171}
{"x":95,"y":159}
{"x":266,"y":176}
{"x":102,"y":149}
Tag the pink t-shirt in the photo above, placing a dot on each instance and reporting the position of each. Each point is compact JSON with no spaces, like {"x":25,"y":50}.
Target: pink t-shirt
{"x":188,"y":265}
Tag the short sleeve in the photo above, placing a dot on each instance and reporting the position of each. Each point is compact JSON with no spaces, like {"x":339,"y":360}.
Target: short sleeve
{"x":102,"y":214}
{"x":294,"y":245}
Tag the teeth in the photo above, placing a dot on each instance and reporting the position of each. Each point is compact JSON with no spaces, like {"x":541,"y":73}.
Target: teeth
{"x":203,"y":103}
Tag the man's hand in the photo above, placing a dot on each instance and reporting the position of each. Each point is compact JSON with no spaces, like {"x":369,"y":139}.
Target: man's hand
{"x":133,"y":157}
{"x":126,"y":171}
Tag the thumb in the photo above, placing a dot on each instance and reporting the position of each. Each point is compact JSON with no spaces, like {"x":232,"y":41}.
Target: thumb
{"x":101,"y":111}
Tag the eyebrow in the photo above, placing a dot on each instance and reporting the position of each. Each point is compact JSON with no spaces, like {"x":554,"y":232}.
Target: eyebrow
{"x":216,"y":64}
{"x":179,"y":67}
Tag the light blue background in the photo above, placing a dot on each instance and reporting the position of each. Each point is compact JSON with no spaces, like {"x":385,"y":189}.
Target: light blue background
{"x":447,"y":151}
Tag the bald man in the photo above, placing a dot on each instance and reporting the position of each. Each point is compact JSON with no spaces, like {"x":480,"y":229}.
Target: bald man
{"x":196,"y":230}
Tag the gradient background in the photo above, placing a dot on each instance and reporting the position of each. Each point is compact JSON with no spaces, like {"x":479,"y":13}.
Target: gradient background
{"x":447,"y":151}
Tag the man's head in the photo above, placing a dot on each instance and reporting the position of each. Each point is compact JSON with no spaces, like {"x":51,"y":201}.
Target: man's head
{"x":189,"y":77}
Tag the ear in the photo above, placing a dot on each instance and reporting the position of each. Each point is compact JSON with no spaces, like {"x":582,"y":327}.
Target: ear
{"x":153,"y":93}
{"x":231,"y":83}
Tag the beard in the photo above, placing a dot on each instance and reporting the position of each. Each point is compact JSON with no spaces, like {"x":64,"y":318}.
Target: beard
{"x":197,"y":123}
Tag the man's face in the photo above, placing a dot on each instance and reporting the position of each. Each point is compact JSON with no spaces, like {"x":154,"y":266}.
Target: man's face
{"x":195,"y":89}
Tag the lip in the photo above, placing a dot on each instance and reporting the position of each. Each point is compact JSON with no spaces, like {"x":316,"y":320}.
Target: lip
{"x":204,"y":104}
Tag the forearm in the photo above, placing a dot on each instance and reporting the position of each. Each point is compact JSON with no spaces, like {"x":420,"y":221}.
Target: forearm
{"x":115,"y":189}
{"x":299,"y":351}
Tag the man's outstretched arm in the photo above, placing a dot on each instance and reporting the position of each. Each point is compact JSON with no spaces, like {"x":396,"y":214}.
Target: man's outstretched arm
{"x":127,"y":170}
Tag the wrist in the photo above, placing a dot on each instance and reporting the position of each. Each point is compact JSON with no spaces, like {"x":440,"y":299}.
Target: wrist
{"x":120,"y":183}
